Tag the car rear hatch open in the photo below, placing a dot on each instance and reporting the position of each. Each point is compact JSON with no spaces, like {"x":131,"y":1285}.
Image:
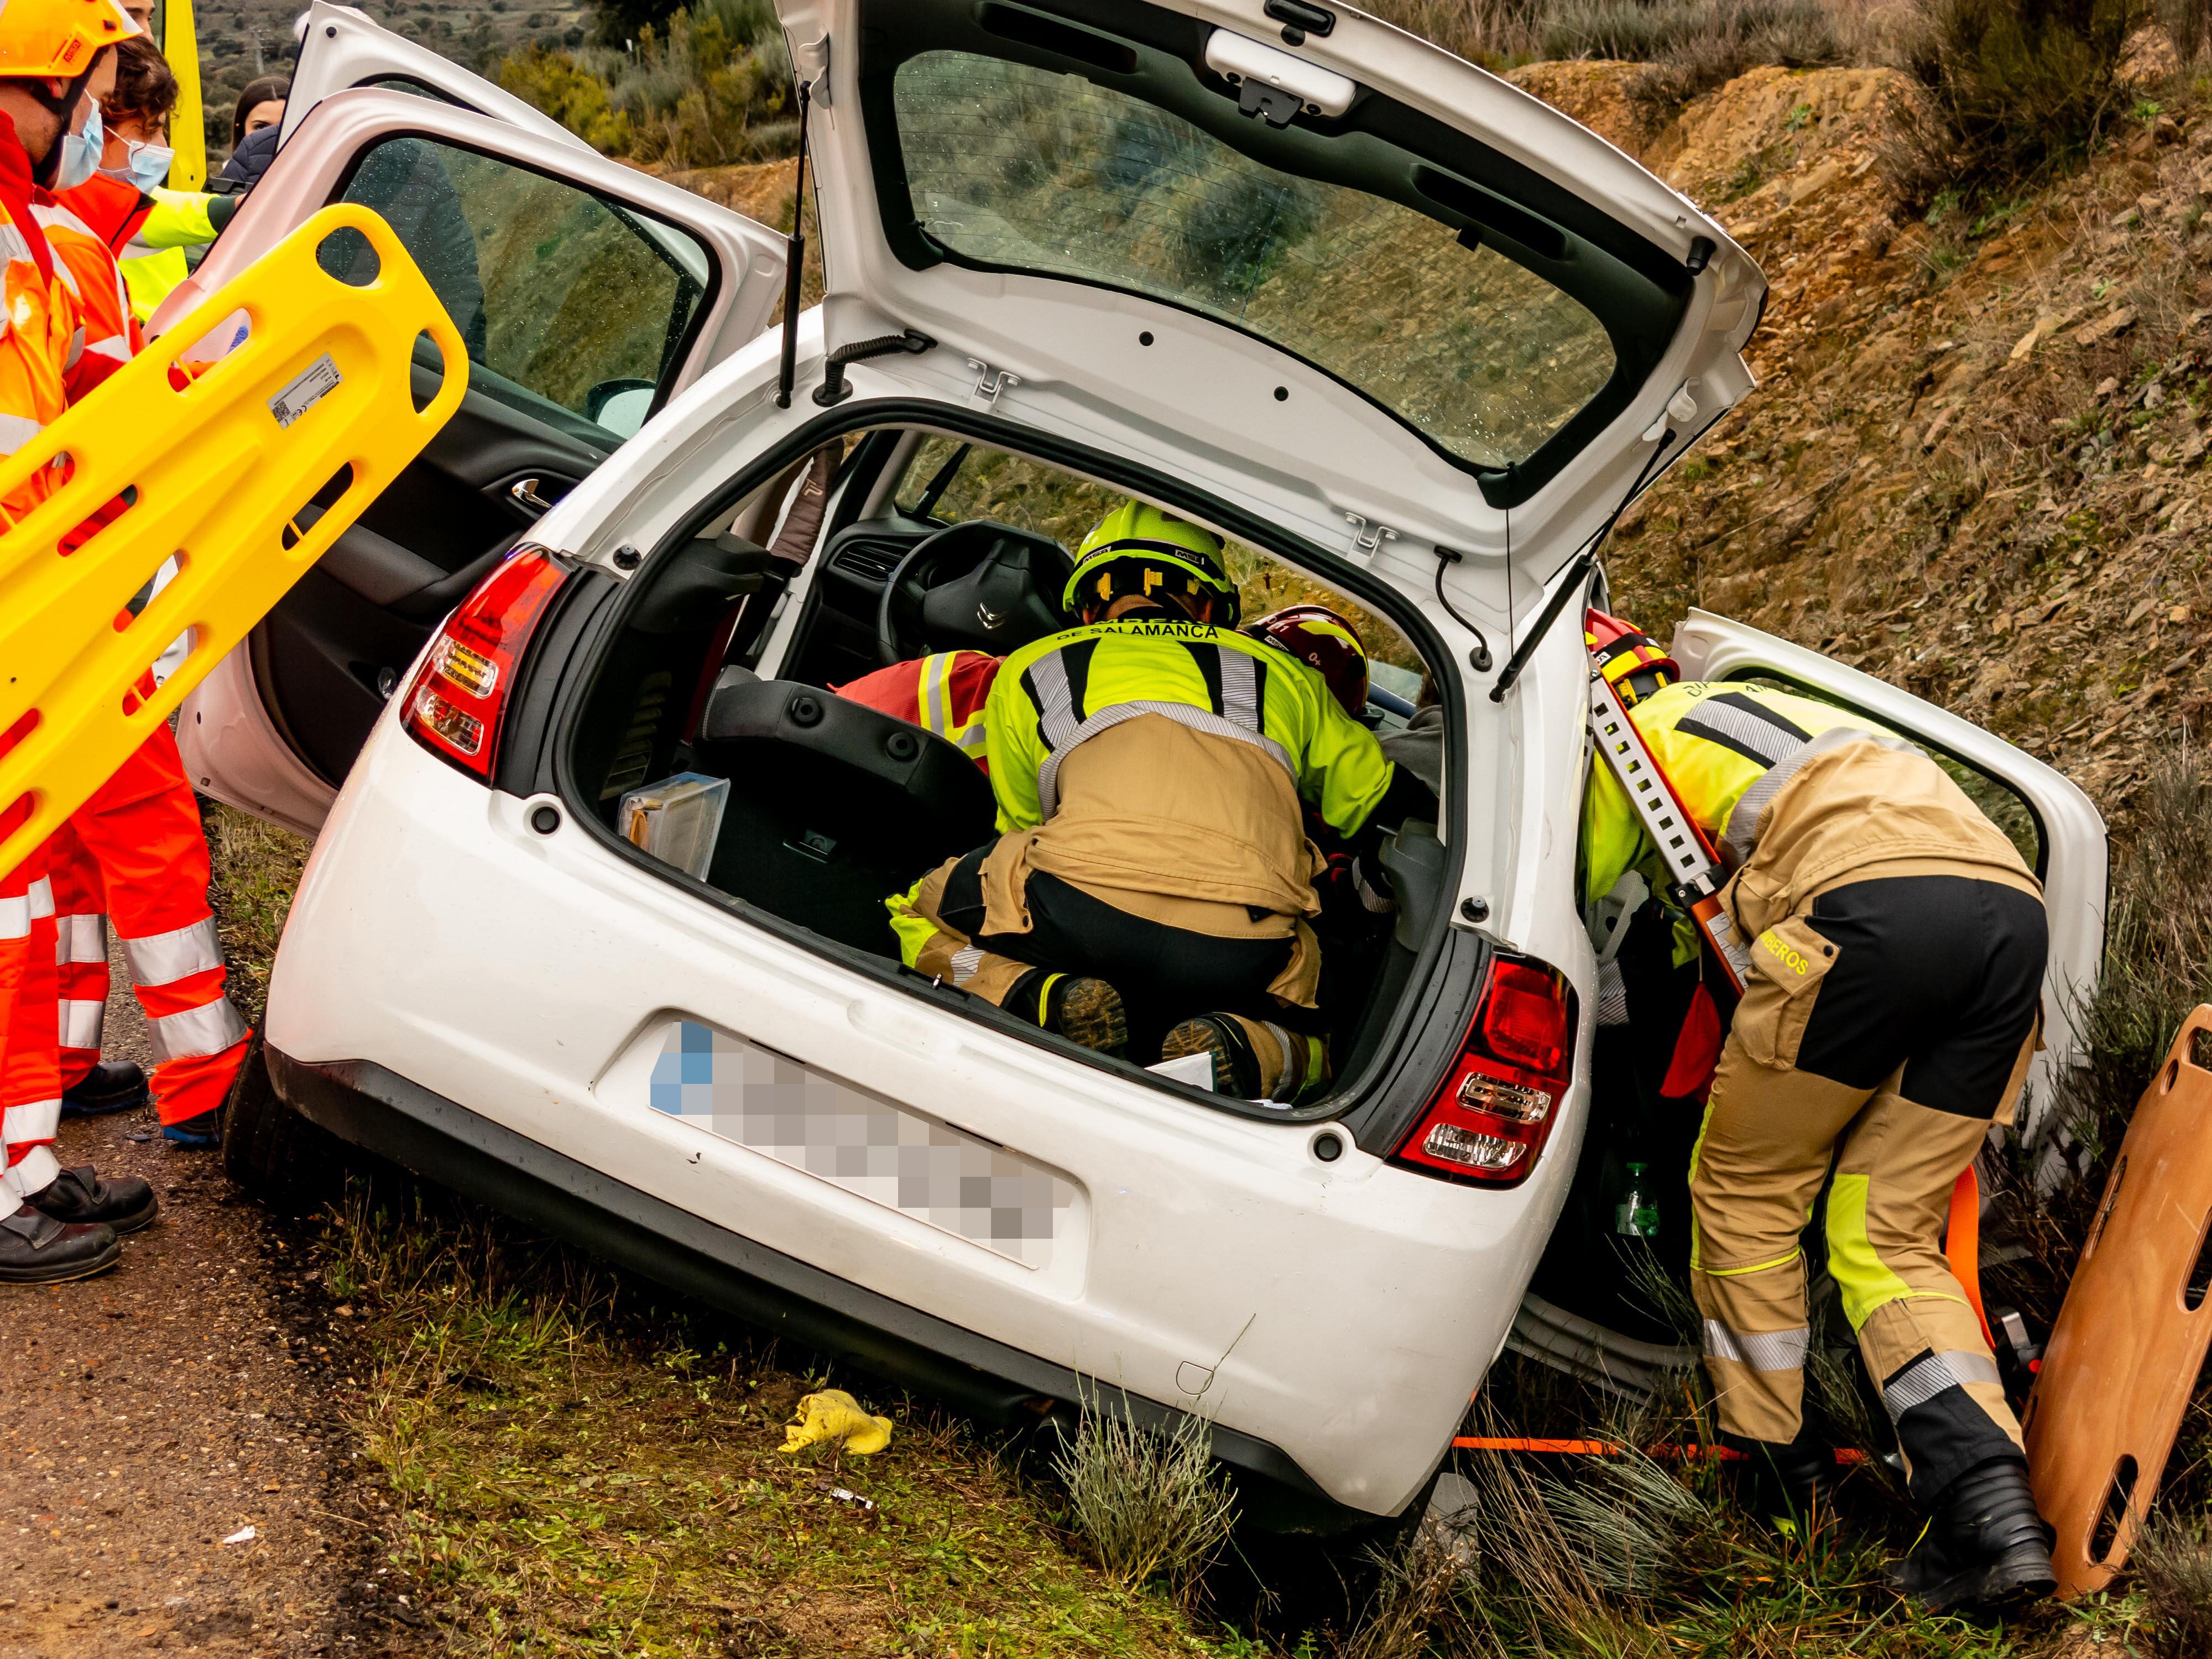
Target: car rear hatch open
{"x":1283,"y":232}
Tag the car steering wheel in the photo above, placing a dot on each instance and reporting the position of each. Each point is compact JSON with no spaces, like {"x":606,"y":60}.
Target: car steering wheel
{"x":980,"y":586}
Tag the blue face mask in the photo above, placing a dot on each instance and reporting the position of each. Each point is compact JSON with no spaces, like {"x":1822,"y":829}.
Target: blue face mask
{"x":80,"y":157}
{"x":148,"y":165}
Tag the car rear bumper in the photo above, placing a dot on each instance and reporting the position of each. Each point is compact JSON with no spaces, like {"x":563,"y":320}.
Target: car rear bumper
{"x":381,"y":1112}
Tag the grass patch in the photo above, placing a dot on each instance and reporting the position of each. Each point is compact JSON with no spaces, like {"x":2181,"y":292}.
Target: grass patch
{"x":256,"y":867}
{"x":583,"y":1468}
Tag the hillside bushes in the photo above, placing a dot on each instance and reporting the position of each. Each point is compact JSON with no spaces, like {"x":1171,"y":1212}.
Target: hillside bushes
{"x":708,"y":87}
{"x":2008,"y":88}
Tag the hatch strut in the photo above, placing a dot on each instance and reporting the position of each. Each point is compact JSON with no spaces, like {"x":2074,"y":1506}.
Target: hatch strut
{"x":795,"y":251}
{"x":1578,"y":567}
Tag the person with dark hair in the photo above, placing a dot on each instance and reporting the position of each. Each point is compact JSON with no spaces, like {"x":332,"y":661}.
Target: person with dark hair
{"x":146,"y":226}
{"x":255,"y":125}
{"x":260,"y":104}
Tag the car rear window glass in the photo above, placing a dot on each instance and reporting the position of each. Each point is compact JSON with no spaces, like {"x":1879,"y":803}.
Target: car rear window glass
{"x":1011,"y":166}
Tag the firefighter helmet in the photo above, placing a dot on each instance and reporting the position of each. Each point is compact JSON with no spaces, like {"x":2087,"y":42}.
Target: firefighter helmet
{"x":1326,"y":643}
{"x":1631,"y":660}
{"x":1140,"y":549}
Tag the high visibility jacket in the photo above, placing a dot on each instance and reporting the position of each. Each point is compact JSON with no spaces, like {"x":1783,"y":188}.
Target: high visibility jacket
{"x":1796,"y":795}
{"x":69,"y":325}
{"x":148,"y":232}
{"x":1159,"y":766}
{"x":1059,"y":693}
{"x":945,"y":693}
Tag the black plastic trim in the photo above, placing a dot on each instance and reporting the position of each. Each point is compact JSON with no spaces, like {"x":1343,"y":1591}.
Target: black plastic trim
{"x":1383,"y":1076}
{"x":373,"y":1107}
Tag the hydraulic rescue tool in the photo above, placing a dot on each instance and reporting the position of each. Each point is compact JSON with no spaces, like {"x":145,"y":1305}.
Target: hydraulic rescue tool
{"x":1693,"y":869}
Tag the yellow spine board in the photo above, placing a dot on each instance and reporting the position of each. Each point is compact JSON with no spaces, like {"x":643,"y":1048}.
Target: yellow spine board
{"x":2128,"y":1346}
{"x":216,"y":472}
{"x":187,"y":129}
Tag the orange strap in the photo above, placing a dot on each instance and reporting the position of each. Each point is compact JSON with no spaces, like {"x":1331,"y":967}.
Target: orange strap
{"x":1607,"y":1448}
{"x":1962,"y":1243}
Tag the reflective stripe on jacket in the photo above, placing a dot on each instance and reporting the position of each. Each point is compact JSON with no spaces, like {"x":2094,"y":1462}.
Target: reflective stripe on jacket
{"x":945,"y":693}
{"x":1060,"y":692}
{"x":68,"y":323}
{"x":1795,"y":794}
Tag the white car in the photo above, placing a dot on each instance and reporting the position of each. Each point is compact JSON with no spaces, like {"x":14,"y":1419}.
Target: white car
{"x":1404,"y":334}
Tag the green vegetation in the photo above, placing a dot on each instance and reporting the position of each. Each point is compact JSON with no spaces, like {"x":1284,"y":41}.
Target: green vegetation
{"x":705,"y":86}
{"x":581,"y":1466}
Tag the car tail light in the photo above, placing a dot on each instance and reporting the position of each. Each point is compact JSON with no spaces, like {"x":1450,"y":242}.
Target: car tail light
{"x":1490,"y":1119}
{"x":454,"y":706}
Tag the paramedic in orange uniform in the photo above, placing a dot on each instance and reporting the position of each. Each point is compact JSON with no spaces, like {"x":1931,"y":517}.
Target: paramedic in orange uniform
{"x":68,"y":327}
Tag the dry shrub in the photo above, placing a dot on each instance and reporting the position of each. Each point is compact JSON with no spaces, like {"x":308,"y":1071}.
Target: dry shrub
{"x":1149,"y":1502}
{"x":2005,"y":90}
{"x":2172,"y":1565}
{"x":2158,"y":966}
{"x":1417,"y":1605}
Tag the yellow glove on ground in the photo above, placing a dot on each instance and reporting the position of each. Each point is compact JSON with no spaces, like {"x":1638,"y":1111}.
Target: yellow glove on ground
{"x":833,"y":1415}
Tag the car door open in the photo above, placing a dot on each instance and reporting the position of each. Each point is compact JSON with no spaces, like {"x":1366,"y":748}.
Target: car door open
{"x":587,"y":294}
{"x":2057,"y":829}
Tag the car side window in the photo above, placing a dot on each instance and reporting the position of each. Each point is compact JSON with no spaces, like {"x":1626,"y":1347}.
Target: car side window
{"x":574,"y":308}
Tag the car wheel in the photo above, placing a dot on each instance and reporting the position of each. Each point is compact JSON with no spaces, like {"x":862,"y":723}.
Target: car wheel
{"x":288,"y":1163}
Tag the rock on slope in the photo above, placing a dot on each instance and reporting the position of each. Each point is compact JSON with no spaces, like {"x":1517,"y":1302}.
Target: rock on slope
{"x":1973,"y":465}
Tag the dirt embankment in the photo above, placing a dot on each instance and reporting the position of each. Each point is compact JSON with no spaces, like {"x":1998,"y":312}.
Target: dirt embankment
{"x":1973,"y":463}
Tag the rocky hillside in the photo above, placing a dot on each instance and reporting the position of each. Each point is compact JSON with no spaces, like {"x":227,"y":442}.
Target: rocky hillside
{"x":1974,"y":466}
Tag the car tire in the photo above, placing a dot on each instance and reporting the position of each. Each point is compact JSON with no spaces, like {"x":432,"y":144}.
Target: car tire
{"x":288,"y":1164}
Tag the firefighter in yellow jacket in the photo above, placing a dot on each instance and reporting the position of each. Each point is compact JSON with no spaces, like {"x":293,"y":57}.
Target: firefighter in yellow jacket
{"x":1897,"y":945}
{"x":1152,"y":884}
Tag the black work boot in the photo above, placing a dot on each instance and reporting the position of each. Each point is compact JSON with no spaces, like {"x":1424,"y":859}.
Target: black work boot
{"x":113,"y":1085}
{"x":1793,"y":1480}
{"x":37,"y":1249}
{"x":1073,"y":1006}
{"x":125,"y":1204}
{"x":1253,"y":1058}
{"x":1985,"y":1546}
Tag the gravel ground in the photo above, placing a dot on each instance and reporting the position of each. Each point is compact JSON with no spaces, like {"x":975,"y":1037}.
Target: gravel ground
{"x":156,"y":1413}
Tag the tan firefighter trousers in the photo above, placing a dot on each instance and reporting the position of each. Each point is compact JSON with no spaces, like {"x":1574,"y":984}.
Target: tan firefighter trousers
{"x":1887,"y":1025}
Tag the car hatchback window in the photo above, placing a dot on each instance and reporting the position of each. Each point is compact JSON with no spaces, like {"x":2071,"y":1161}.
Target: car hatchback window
{"x":1015,"y":166}
{"x":562,"y":298}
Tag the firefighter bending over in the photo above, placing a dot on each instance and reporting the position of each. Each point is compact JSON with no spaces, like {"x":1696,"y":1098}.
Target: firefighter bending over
{"x":1152,"y":886}
{"x":1897,"y":944}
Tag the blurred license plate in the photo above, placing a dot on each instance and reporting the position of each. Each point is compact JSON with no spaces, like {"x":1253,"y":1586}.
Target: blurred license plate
{"x":856,"y":1139}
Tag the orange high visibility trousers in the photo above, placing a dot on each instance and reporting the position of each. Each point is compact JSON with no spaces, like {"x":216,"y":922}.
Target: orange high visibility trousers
{"x":30,"y":1077}
{"x":136,"y":852}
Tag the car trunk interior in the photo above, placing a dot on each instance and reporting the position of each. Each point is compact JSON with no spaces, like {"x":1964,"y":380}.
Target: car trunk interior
{"x":726,"y":663}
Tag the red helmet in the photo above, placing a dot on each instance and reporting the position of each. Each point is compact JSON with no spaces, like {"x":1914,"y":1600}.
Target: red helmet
{"x":1630,"y":659}
{"x":1326,"y":643}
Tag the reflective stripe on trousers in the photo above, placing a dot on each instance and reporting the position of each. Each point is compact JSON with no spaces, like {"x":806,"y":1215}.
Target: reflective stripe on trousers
{"x":165,"y":959}
{"x":210,"y":1029}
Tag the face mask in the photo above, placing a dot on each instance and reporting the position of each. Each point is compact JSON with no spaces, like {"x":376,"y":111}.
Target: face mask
{"x":148,"y":165}
{"x":79,"y":155}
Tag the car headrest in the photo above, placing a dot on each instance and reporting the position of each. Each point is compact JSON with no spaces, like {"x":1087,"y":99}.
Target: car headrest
{"x":931,"y":773}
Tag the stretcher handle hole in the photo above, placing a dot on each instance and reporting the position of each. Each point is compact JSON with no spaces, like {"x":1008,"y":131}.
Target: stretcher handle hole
{"x":2172,"y":1076}
{"x":426,"y":372}
{"x":2199,"y":1282}
{"x":2105,"y":1212}
{"x":2200,"y":1049}
{"x":350,"y":257}
{"x":2105,"y":1540}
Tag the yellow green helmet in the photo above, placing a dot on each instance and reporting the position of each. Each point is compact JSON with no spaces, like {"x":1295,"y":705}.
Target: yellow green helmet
{"x":1140,"y":549}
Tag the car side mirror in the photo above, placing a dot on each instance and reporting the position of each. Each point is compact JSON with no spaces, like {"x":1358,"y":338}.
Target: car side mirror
{"x":620,"y":405}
